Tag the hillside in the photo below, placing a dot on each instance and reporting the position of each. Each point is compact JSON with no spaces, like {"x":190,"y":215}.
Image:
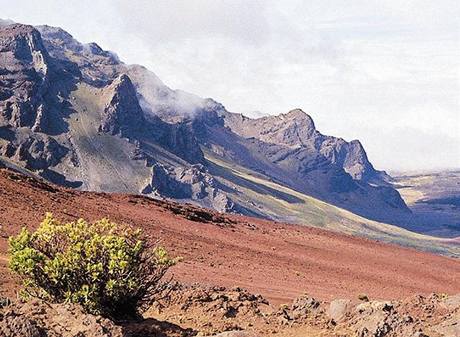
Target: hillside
{"x":277,"y":260}
{"x":76,"y":115}
{"x":249,"y":227}
{"x":260,"y":194}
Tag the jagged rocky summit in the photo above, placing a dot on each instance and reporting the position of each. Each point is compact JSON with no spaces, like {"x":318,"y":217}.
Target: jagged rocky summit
{"x":76,"y":115}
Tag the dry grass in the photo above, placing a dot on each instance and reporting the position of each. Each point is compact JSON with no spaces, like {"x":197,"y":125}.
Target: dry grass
{"x":314,"y":212}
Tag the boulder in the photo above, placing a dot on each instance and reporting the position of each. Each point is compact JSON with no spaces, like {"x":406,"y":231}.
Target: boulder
{"x":338,"y":309}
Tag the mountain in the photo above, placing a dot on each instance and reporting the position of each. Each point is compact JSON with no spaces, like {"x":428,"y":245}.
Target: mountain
{"x":76,"y":115}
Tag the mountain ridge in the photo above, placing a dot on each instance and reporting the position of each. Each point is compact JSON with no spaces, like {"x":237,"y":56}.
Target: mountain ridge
{"x":87,"y":120}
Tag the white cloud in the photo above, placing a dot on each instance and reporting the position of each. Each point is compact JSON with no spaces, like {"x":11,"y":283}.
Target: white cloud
{"x":364,"y":69}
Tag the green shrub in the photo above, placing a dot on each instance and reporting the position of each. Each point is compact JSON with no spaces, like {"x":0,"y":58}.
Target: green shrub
{"x":107,"y":268}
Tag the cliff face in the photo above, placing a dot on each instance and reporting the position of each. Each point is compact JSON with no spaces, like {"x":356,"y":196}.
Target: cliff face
{"x":24,"y":77}
{"x":75,"y":114}
{"x":289,"y":149}
{"x":71,"y":113}
{"x":28,"y":98}
{"x":122,"y":114}
{"x":296,"y":130}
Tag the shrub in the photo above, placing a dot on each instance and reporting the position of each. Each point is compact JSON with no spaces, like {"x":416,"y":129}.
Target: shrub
{"x":107,"y":268}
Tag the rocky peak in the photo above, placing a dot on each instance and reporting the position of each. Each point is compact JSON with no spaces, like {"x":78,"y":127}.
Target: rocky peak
{"x":95,"y":49}
{"x":122,"y":114}
{"x":298,"y":116}
{"x":293,"y":129}
{"x":356,"y":155}
{"x":123,"y":83}
{"x":57,"y":38}
{"x":58,"y":41}
{"x":23,"y":44}
{"x":89,"y":61}
{"x":349,"y":155}
{"x":24,"y":81}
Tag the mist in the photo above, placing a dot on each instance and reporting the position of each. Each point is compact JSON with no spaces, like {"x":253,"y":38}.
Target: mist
{"x":384,"y":72}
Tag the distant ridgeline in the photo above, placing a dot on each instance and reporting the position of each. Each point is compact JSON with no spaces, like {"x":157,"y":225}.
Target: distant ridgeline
{"x":76,"y":115}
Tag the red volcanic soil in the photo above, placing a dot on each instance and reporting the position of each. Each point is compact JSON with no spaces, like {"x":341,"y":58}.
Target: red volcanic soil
{"x":279,"y":261}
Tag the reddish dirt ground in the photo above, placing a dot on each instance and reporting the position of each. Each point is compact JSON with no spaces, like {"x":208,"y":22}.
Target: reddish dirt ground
{"x":279,"y":261}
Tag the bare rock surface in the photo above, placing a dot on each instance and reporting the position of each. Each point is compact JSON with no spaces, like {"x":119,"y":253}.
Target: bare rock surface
{"x":196,"y":310}
{"x":109,"y":123}
{"x":39,"y":319}
{"x":193,"y":182}
{"x":289,"y":148}
{"x":415,"y":316}
{"x":122,"y":114}
{"x":339,"y":309}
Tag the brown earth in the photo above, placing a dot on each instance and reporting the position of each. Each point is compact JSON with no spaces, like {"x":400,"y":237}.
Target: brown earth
{"x":185,"y":311}
{"x":277,"y":260}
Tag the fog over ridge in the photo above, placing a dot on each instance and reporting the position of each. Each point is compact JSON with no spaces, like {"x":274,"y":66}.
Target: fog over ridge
{"x":386,"y":73}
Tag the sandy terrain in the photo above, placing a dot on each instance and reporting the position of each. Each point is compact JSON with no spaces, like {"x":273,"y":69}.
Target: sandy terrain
{"x":277,"y":260}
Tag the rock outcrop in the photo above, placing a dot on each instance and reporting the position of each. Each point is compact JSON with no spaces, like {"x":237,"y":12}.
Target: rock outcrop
{"x":296,"y":130}
{"x":77,"y":110}
{"x":193,"y":183}
{"x":122,"y":114}
{"x":37,"y":151}
{"x":24,"y":76}
{"x":223,"y":312}
{"x":288,"y":148}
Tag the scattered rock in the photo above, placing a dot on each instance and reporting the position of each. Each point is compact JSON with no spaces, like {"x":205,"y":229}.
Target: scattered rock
{"x":338,"y":309}
{"x":191,"y":310}
{"x":303,"y":306}
{"x":40,"y":319}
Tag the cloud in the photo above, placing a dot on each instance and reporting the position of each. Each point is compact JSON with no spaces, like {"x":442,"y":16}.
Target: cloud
{"x":426,"y":149}
{"x":354,"y":65}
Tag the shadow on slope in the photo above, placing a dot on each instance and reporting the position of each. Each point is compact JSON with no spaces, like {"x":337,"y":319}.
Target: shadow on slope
{"x":252,"y":192}
{"x":254,"y":186}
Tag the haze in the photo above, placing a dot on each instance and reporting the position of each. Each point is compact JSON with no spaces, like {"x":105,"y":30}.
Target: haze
{"x":384,"y":72}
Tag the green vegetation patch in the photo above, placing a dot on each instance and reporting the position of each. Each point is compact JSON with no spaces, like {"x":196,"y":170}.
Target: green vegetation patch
{"x":107,"y":268}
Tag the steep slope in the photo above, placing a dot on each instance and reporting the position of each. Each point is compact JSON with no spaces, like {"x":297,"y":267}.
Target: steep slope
{"x":258,"y":193}
{"x":278,"y":260}
{"x":70,"y":112}
{"x":288,"y":149}
{"x":296,"y":130}
{"x":76,"y":115}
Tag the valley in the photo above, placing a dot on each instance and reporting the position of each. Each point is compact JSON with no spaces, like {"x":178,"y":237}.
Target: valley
{"x":434,"y":199}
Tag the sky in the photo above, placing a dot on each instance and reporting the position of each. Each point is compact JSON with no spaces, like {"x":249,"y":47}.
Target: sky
{"x":384,"y":72}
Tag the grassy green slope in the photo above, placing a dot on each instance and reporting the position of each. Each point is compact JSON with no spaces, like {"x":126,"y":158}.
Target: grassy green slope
{"x":266,"y":198}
